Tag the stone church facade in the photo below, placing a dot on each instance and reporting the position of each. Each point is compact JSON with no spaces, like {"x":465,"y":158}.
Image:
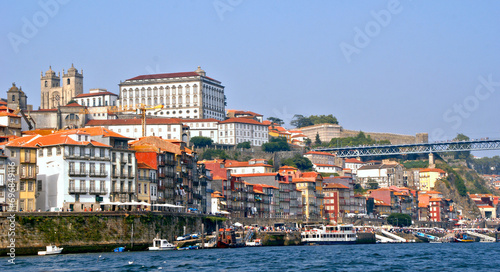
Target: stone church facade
{"x":55,"y":93}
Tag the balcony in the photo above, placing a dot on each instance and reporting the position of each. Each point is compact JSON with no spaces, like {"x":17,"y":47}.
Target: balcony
{"x":123,"y":175}
{"x":103,"y":158}
{"x":98,"y":191}
{"x":79,"y":190}
{"x":170,"y":162}
{"x":28,"y":176}
{"x":115,"y":190}
{"x":98,"y":174}
{"x":161,"y":162}
{"x":131,"y":175}
{"x":77,"y":173}
{"x":115,"y":174}
{"x":161,"y":175}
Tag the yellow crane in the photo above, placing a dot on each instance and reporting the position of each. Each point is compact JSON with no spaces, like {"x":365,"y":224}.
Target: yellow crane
{"x":141,"y":109}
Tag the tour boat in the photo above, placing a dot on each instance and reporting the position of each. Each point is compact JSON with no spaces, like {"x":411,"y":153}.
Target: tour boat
{"x":51,"y":250}
{"x":161,"y":244}
{"x":328,"y":235}
{"x":227,"y":238}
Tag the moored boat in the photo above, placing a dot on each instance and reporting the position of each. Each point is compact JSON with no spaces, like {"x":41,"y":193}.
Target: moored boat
{"x":227,"y":238}
{"x":51,"y":250}
{"x":329,"y":235}
{"x":161,"y":244}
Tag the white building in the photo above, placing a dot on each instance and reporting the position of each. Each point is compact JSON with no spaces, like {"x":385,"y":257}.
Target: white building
{"x":203,"y":127}
{"x":353,"y":164}
{"x":238,"y":130}
{"x":167,"y":128}
{"x":250,"y":167}
{"x":189,"y":95}
{"x":327,"y":168}
{"x":97,"y":101}
{"x":73,"y":172}
{"x":385,"y":175}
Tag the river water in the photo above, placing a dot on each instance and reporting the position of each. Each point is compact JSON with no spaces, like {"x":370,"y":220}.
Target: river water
{"x":373,"y":257}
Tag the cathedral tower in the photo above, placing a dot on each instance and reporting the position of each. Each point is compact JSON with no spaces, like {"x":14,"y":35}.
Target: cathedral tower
{"x":54,"y":93}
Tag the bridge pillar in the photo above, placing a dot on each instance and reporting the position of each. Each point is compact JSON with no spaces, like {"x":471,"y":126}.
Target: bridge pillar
{"x":432,"y":164}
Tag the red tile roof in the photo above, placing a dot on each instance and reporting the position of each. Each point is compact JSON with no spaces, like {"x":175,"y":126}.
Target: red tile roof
{"x":320,"y":153}
{"x":168,"y":75}
{"x":96,"y":131}
{"x":352,"y":160}
{"x":334,"y":186}
{"x":74,"y":104}
{"x":254,"y":175}
{"x":94,"y":94}
{"x":242,"y":120}
{"x":432,"y":170}
{"x":200,"y":120}
{"x":149,"y":121}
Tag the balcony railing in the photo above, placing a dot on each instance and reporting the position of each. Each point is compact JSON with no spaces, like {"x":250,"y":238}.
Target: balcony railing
{"x":98,"y":174}
{"x":77,"y":173}
{"x":79,"y":190}
{"x":161,"y":175}
{"x":98,"y":191}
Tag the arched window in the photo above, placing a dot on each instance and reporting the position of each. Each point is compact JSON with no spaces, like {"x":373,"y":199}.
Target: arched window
{"x":195,"y":99}
{"x":187,"y":99}
{"x":124,"y":94}
{"x":136,"y":92}
{"x":155,"y":91}
{"x":173,"y":90}
{"x":45,"y":83}
{"x":149,"y":92}
{"x":149,"y":101}
{"x":179,"y":89}
{"x":173,"y":100}
{"x":68,"y":81}
{"x":187,"y":89}
{"x":161,"y":100}
{"x":130,"y":93}
{"x":195,"y":89}
{"x":161,"y":91}
{"x":13,"y":98}
{"x":180,"y":99}
{"x":155,"y":101}
{"x":167,"y":100}
{"x":143,"y":101}
{"x":143,"y":92}
{"x":136,"y":102}
{"x":100,"y":102}
{"x":130,"y":102}
{"x":93,"y":101}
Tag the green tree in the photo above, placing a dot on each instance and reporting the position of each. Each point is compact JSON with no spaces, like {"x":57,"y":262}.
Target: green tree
{"x":307,"y":142}
{"x":317,"y":141}
{"x":300,"y":162}
{"x":245,"y":145}
{"x":275,"y":120}
{"x":200,"y":141}
{"x":372,"y":184}
{"x":360,"y":139}
{"x":399,"y":219}
{"x":463,"y":155}
{"x":276,"y":144}
{"x":211,"y":154}
{"x":300,"y":121}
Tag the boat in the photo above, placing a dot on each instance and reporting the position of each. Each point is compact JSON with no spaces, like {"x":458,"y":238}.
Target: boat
{"x":463,"y":238}
{"x":161,"y":244}
{"x":328,"y":235}
{"x":256,"y":242}
{"x":227,"y":238}
{"x":119,"y":249}
{"x":51,"y":250}
{"x":188,"y":247}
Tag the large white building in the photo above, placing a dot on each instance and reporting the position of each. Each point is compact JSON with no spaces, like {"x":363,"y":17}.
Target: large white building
{"x":73,"y":172}
{"x":238,"y":130}
{"x":97,"y":102}
{"x":187,"y":95}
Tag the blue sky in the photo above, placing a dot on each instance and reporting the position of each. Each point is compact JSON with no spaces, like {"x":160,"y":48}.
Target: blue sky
{"x":383,"y":66}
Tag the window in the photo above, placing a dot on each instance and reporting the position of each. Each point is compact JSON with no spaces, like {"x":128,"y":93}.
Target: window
{"x":13,"y":153}
{"x":22,"y":186}
{"x":49,"y":151}
{"x":58,"y":150}
{"x":68,"y":81}
{"x":39,"y":186}
{"x":40,"y":153}
{"x":31,"y":186}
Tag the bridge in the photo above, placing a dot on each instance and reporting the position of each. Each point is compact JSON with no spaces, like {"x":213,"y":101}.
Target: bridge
{"x":417,"y":148}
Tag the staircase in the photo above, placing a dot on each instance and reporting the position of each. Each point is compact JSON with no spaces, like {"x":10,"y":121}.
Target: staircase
{"x":393,"y":236}
{"x":248,"y":237}
{"x":384,"y":239}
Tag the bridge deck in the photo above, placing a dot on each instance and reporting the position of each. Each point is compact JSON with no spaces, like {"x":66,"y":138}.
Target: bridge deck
{"x":422,"y":148}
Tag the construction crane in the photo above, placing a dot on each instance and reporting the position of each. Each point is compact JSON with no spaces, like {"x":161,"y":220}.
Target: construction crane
{"x":141,"y":109}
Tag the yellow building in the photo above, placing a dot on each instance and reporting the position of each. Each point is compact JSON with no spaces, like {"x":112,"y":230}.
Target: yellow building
{"x":22,"y":154}
{"x":428,"y":178}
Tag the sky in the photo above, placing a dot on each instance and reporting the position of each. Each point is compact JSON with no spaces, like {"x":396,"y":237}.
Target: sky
{"x":380,"y":66}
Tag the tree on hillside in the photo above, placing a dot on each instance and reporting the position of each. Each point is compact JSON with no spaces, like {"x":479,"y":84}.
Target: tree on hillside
{"x":275,"y":120}
{"x":317,"y":141}
{"x":200,"y":141}
{"x":300,"y":162}
{"x":211,"y":154}
{"x":399,"y":219}
{"x":302,"y":121}
{"x":463,"y":155}
{"x":276,"y":144}
{"x":307,"y":142}
{"x":245,"y":145}
{"x":360,"y":139}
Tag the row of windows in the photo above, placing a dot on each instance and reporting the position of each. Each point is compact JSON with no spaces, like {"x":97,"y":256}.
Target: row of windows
{"x":161,"y":101}
{"x":161,"y":91}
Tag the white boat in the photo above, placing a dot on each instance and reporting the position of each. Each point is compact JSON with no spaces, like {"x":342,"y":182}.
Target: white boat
{"x":51,"y":250}
{"x":161,"y":244}
{"x":329,"y":235}
{"x":255,"y":242}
